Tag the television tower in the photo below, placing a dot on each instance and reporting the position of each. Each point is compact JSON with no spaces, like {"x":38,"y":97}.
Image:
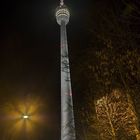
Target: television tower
{"x":67,"y":114}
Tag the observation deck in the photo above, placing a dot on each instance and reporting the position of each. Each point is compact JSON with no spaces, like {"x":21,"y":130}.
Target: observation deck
{"x":62,"y":14}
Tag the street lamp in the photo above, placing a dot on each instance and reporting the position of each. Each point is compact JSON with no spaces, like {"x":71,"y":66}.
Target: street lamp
{"x":25,"y":117}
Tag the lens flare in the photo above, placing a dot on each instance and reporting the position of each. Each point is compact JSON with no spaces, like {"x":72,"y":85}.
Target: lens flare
{"x":23,"y":118}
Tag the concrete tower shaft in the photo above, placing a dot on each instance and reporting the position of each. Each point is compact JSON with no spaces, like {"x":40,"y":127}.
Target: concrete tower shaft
{"x":67,"y":115}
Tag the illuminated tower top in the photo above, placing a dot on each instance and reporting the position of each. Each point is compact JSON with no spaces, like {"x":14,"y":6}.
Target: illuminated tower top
{"x":62,"y":14}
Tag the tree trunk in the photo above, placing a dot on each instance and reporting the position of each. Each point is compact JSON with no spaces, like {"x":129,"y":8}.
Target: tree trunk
{"x":110,"y":122}
{"x":138,"y":136}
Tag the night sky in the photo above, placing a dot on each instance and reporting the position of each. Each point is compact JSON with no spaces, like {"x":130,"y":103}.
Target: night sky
{"x":29,"y":51}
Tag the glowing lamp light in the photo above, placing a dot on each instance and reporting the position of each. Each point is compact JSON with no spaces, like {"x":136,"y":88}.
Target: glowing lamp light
{"x":25,"y":117}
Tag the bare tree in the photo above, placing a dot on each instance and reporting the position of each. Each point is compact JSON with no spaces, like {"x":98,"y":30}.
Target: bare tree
{"x":115,"y":111}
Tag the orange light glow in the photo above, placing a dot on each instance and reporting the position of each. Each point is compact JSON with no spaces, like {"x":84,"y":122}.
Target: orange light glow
{"x":23,"y":117}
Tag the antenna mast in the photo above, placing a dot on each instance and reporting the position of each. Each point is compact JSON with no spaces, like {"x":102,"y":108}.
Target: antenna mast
{"x":61,"y":2}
